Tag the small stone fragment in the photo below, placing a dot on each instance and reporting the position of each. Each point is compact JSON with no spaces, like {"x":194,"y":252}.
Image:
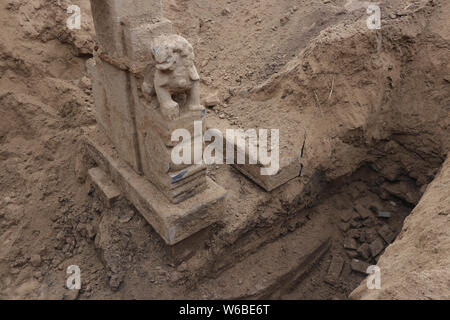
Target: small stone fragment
{"x":226,"y":12}
{"x":364,"y":251}
{"x":384,"y":214}
{"x":387,"y":234}
{"x":212,"y":100}
{"x":359,"y":266}
{"x":363,"y":212}
{"x":355,"y":224}
{"x":334,"y":271}
{"x":354,"y":233}
{"x":350,"y":243}
{"x":351,"y":253}
{"x":35,"y":260}
{"x":376,"y":247}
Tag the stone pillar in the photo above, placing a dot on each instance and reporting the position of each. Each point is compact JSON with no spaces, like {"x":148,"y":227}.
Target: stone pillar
{"x":135,"y":122}
{"x":124,"y":31}
{"x":109,"y":16}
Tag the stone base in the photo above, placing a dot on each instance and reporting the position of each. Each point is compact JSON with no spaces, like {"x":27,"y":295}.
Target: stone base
{"x":172,"y":222}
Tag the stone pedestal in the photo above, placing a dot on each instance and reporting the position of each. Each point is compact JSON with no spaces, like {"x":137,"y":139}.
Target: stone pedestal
{"x":173,"y":222}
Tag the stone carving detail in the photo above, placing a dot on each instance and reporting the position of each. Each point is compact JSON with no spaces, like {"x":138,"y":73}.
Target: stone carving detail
{"x":175,"y":74}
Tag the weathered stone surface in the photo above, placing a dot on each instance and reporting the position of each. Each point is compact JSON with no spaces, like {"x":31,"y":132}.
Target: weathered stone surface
{"x":359,"y":266}
{"x":354,"y":233}
{"x":346,"y":216}
{"x":146,"y":86}
{"x":172,"y":222}
{"x":154,"y":137}
{"x":101,"y":105}
{"x":363,"y":212}
{"x":376,"y":247}
{"x":109,"y":14}
{"x":289,"y":168}
{"x":384,"y":214}
{"x":364,"y":251}
{"x":211,"y":100}
{"x":116,"y":83}
{"x":334,"y":271}
{"x":175,"y":73}
{"x":386,"y":233}
{"x":350,"y":243}
{"x":107,"y":190}
{"x":139,"y":34}
{"x":344,"y":226}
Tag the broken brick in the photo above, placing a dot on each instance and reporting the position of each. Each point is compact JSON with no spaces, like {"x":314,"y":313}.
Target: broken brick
{"x":363,"y":212}
{"x":351,"y":253}
{"x":334,"y":271}
{"x":359,"y":266}
{"x":376,"y":247}
{"x":387,"y":234}
{"x":355,"y":224}
{"x":346,"y":216}
{"x":350,"y":243}
{"x":344,"y":227}
{"x":354,"y":233}
{"x":364,"y":251}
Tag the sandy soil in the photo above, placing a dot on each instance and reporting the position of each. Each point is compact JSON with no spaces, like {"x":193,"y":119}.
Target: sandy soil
{"x":377,"y":125}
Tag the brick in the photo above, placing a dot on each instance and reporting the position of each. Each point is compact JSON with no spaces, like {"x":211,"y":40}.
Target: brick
{"x":109,"y":14}
{"x":344,"y":226}
{"x":364,"y":251}
{"x":386,"y":233}
{"x":363,"y":212}
{"x":376,"y":247}
{"x":334,"y":270}
{"x":173,"y":222}
{"x":359,"y":266}
{"x":346,"y":216}
{"x":108,"y":191}
{"x":354,"y":233}
{"x":350,"y":243}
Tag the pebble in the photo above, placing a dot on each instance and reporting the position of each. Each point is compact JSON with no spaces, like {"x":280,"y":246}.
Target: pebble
{"x":35,"y":260}
{"x":212,"y":100}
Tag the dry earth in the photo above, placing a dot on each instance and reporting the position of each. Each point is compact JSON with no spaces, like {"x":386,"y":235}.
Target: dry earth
{"x":374,"y":108}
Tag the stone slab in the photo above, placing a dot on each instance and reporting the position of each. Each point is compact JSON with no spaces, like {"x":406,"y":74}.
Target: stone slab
{"x":173,"y":223}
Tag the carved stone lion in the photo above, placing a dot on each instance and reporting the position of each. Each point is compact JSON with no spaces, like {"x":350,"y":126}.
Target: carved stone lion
{"x":175,"y":73}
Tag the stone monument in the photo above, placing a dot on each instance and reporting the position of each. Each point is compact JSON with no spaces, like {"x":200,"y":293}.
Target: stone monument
{"x":145,"y":86}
